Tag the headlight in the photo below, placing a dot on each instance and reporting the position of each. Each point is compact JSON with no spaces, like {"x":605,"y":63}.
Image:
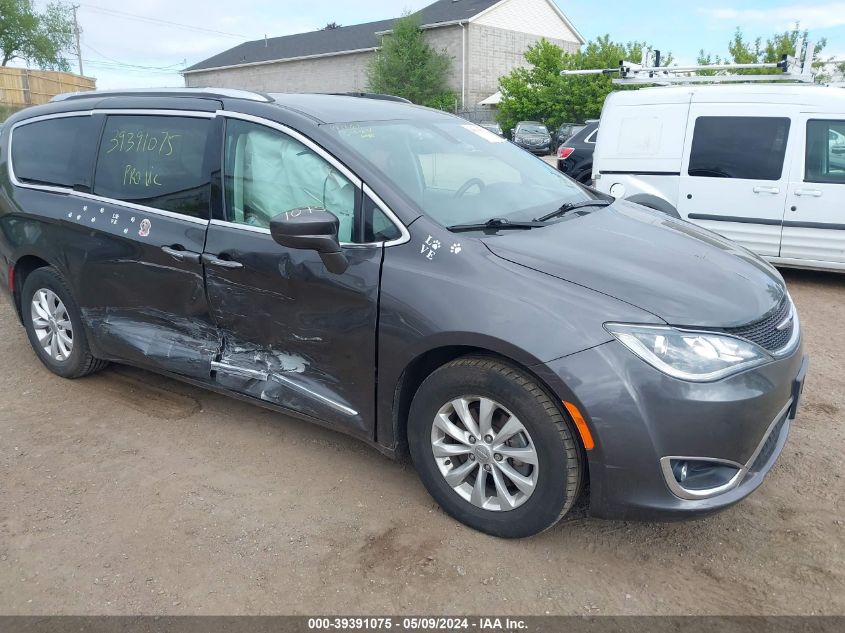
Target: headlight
{"x":688,"y":355}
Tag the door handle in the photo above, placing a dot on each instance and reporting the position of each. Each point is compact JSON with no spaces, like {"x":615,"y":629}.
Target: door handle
{"x":811,"y":193}
{"x":771,"y":190}
{"x":213,"y":260}
{"x":178,"y":253}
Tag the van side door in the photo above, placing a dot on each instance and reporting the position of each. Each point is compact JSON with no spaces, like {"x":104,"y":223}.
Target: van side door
{"x":735,"y":173}
{"x":134,"y":245}
{"x":294,"y":335}
{"x":814,"y":221}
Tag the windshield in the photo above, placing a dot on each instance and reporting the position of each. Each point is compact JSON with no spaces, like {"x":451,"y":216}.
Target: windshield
{"x":460,"y":173}
{"x":532,"y":129}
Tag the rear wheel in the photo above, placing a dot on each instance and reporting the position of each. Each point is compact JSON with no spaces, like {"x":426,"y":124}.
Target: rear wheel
{"x":493,"y":449}
{"x":54,"y":325}
{"x":586,"y":177}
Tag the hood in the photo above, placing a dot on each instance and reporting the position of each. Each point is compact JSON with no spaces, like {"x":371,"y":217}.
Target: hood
{"x":681,"y":273}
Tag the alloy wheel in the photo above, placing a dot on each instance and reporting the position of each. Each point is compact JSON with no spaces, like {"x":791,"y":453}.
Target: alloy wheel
{"x":52,"y":324}
{"x":484,"y":453}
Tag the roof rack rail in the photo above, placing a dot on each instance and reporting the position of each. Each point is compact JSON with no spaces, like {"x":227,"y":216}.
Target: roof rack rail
{"x":227,"y":93}
{"x":371,"y":95}
{"x":797,"y":68}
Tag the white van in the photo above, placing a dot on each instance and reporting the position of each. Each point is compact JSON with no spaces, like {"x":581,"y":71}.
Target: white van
{"x":762,"y":164}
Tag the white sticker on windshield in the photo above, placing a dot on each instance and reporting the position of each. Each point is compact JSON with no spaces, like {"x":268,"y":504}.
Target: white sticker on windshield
{"x":487,"y":135}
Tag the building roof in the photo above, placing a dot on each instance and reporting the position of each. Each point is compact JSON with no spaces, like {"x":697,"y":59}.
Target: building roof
{"x":346,"y":39}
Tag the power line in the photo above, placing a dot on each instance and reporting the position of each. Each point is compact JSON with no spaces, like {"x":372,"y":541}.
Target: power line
{"x":142,"y":18}
{"x":93,"y":63}
{"x":128,"y":65}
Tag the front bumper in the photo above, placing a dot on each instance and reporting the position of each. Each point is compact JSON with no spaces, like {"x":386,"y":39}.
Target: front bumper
{"x":639,"y":417}
{"x":536,"y":149}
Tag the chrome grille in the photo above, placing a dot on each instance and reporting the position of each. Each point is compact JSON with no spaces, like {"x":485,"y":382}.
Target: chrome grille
{"x":765,"y":332}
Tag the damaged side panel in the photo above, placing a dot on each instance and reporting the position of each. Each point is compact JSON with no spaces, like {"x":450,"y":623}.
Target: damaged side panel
{"x":141,"y":304}
{"x":155,"y":339}
{"x":293,"y":334}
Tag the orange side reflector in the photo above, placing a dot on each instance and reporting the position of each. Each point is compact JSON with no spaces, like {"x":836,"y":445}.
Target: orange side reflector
{"x":581,"y":425}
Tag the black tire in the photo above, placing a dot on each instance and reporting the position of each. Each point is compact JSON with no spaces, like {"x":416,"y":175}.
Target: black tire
{"x":586,"y":177}
{"x":80,"y":362}
{"x":560,"y":462}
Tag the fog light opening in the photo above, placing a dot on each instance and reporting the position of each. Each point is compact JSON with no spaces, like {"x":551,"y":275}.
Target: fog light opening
{"x":680,"y":469}
{"x":701,"y":475}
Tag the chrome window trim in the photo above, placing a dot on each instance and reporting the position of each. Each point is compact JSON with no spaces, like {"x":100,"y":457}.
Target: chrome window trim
{"x":243,"y":227}
{"x":405,"y":235}
{"x":284,"y":129}
{"x":90,"y":196}
{"x":692,"y":495}
{"x":139,"y":207}
{"x":192,"y":114}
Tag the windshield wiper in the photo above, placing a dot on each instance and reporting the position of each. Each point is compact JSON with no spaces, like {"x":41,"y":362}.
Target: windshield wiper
{"x":571,"y":206}
{"x":496,"y":224}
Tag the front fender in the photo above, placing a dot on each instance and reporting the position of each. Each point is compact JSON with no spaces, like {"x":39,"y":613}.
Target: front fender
{"x":464,"y":296}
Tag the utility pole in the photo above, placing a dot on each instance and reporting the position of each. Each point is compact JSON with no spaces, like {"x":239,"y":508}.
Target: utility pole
{"x":76,"y":32}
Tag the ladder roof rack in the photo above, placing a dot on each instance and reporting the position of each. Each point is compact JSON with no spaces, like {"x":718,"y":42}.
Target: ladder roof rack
{"x":797,"y":68}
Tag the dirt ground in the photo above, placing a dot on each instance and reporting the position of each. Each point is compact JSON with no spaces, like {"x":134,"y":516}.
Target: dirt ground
{"x":127,"y":493}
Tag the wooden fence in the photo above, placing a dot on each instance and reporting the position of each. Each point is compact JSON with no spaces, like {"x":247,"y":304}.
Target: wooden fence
{"x":21,"y":87}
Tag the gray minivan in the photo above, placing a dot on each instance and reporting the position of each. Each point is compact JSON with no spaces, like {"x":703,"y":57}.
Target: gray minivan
{"x":412,"y":280}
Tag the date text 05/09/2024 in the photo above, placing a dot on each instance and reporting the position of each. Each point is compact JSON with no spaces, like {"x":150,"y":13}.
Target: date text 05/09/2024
{"x":431,"y":623}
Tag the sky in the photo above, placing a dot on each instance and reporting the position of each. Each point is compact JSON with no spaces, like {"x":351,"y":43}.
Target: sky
{"x":144,"y":44}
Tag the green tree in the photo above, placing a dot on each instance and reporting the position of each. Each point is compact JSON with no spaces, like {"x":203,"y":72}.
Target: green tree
{"x":743,"y":51}
{"x":447,"y":100}
{"x":539,"y":93}
{"x":407,"y":66}
{"x":41,"y":38}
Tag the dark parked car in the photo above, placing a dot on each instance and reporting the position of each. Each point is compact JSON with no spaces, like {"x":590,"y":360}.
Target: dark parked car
{"x":532,"y":136}
{"x":411,"y":280}
{"x":575,"y":156}
{"x":562,"y":133}
{"x":493,"y":127}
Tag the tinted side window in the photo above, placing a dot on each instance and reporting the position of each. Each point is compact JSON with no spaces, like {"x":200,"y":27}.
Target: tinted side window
{"x":377,"y":226}
{"x":751,"y":148}
{"x":156,"y":161}
{"x":825,"y":159}
{"x":268,"y":172}
{"x":55,"y":151}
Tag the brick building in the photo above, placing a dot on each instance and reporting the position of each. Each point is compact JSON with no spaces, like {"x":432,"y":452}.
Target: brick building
{"x":485,"y":38}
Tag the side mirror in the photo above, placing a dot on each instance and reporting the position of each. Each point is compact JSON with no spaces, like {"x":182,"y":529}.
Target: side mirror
{"x":312,"y":229}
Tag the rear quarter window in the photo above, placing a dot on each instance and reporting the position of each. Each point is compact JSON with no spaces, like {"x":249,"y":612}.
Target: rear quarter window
{"x":55,"y":152}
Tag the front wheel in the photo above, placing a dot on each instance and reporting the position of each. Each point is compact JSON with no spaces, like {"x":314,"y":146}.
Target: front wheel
{"x":493,"y":449}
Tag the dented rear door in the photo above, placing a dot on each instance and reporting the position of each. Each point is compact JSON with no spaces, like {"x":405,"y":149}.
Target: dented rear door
{"x":293,"y":334}
{"x":135,"y":244}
